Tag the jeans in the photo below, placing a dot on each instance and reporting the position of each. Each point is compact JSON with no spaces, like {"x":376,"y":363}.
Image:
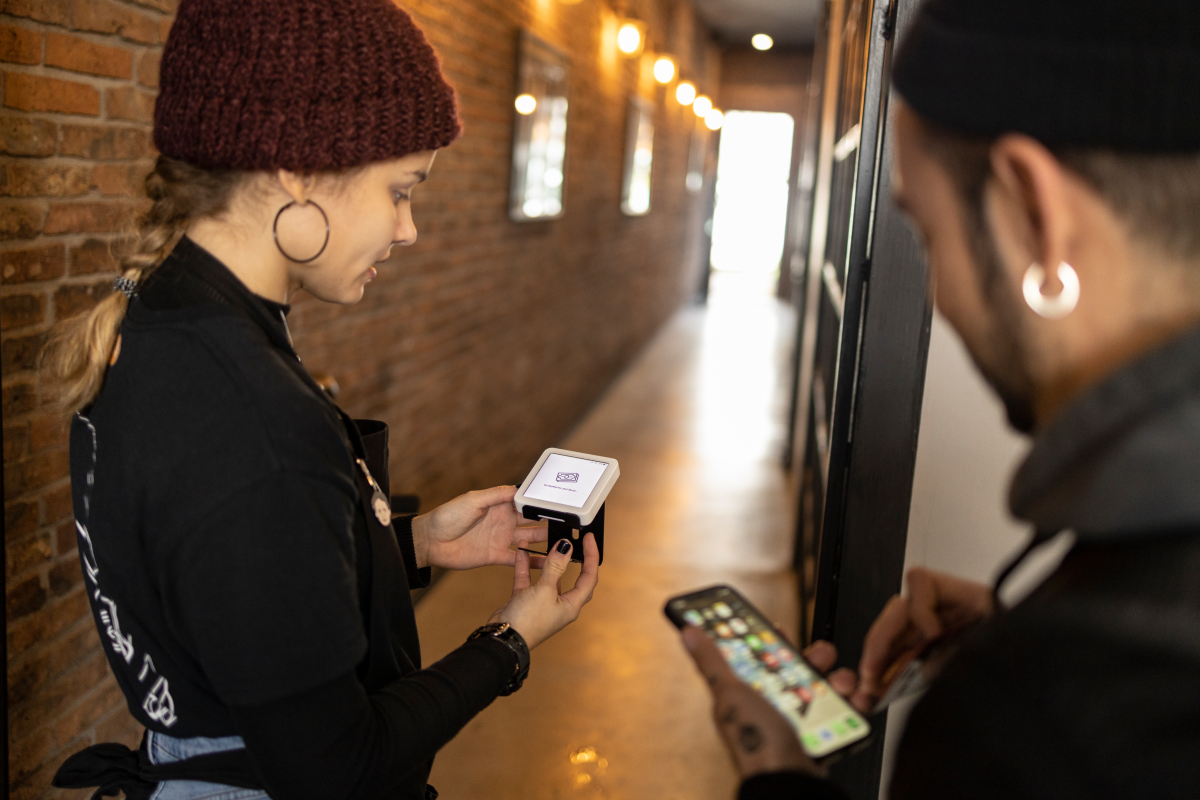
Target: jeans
{"x":165,"y":749}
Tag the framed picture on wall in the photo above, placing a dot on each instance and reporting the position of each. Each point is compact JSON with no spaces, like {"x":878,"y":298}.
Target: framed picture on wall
{"x":639,"y":157}
{"x":539,"y":156}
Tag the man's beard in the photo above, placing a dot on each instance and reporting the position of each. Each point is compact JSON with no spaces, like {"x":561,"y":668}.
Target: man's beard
{"x":1002,"y":358}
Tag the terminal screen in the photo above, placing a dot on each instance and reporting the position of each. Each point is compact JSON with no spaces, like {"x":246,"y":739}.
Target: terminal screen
{"x":566,"y":480}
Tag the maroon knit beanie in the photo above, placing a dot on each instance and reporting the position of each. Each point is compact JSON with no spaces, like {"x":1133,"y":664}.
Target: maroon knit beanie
{"x":305,"y":85}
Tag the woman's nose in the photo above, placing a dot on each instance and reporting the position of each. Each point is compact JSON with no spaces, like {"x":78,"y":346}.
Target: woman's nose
{"x":406,"y":231}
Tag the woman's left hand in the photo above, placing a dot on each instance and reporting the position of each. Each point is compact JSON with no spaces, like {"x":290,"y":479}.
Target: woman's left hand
{"x":476,"y":529}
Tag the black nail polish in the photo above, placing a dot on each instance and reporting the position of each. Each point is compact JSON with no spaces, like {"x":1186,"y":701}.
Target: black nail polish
{"x":564,"y":546}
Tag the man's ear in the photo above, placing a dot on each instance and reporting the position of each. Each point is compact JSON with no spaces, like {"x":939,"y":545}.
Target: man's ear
{"x":298,"y":186}
{"x":1028,"y":205}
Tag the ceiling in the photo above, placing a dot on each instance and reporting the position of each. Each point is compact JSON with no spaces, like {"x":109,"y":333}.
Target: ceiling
{"x":791,"y":23}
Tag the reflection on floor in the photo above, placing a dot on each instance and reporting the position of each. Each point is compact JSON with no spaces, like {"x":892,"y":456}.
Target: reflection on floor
{"x":613,"y":708}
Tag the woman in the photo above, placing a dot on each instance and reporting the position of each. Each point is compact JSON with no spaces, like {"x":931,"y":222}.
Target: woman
{"x":248,"y":580}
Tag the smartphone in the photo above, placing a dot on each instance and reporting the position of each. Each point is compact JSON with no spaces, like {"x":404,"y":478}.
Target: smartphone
{"x":824,"y":722}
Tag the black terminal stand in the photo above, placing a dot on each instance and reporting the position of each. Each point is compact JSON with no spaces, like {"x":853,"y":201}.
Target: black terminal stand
{"x":564,"y":526}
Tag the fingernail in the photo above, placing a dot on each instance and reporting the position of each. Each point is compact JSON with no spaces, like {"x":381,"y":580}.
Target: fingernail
{"x":563,"y":546}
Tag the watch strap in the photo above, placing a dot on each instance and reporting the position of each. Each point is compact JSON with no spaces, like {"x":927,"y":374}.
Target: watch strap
{"x":508,"y":636}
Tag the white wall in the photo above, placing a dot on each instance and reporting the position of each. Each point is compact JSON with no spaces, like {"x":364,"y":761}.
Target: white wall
{"x":966,"y":453}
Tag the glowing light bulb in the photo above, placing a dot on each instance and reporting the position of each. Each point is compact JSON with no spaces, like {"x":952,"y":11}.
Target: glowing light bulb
{"x":702,"y":105}
{"x":525,"y":103}
{"x":714,"y":120}
{"x":761,"y":41}
{"x":664,"y":70}
{"x":629,"y":38}
{"x":685,"y":93}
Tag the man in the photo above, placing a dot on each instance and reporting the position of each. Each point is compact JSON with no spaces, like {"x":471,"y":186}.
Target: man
{"x":1048,"y":152}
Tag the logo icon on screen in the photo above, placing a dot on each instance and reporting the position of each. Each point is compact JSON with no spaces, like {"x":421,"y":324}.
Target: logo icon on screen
{"x":568,"y":477}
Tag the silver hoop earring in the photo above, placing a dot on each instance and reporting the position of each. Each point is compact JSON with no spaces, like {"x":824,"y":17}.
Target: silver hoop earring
{"x":1060,"y":305}
{"x":275,"y":233}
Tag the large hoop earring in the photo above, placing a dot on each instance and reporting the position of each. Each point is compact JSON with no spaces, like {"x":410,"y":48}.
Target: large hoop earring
{"x":1060,"y":305}
{"x":275,"y":233}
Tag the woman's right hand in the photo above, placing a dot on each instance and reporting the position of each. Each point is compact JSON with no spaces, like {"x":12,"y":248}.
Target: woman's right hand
{"x":539,"y":610}
{"x":936,"y":603}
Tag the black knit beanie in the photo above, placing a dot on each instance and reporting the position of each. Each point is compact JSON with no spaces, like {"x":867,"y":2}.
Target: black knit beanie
{"x":1120,"y":74}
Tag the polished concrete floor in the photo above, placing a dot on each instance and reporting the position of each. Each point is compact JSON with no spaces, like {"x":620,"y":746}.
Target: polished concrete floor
{"x":613,"y":707}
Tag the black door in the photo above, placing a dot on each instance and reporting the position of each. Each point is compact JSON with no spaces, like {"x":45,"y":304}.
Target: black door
{"x":862,"y":342}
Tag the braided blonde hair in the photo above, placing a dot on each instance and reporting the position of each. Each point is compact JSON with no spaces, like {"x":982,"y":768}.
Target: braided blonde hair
{"x":81,"y":348}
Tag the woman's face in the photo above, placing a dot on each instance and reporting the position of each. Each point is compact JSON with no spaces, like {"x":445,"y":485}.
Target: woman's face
{"x":369,"y":211}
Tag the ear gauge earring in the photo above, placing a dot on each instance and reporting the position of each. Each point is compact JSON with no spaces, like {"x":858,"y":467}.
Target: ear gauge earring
{"x":1060,"y":305}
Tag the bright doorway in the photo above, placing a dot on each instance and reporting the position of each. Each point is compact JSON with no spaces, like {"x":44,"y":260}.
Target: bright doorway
{"x":750,"y":217}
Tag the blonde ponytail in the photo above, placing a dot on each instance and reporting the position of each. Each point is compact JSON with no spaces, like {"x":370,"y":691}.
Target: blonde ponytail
{"x":81,"y":348}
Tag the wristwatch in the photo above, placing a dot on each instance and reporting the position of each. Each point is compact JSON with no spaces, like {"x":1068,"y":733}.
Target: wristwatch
{"x":508,"y":636}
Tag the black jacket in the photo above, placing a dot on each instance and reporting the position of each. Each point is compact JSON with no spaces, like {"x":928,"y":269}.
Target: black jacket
{"x":236,"y":580}
{"x":1090,"y":688}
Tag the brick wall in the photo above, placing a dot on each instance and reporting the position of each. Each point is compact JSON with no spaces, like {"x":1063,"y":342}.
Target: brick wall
{"x":480,"y":345}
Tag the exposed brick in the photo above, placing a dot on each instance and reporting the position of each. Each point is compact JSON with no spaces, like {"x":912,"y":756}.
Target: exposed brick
{"x":16,"y":441}
{"x":51,"y":678}
{"x":86,"y":217}
{"x":121,"y":179}
{"x":20,"y":45}
{"x":64,"y":576}
{"x":33,"y":264}
{"x":54,"y":619}
{"x":21,"y":353}
{"x":75,"y":299}
{"x":21,"y":220}
{"x":104,"y":16}
{"x":29,"y":781}
{"x":64,"y":538}
{"x":21,"y":311}
{"x":120,"y":726}
{"x":31,"y":551}
{"x":25,"y":598}
{"x":147,"y":68}
{"x":104,"y":143}
{"x":36,"y":179}
{"x":32,"y":750}
{"x":47,"y":431}
{"x":165,"y":6}
{"x":56,"y":12}
{"x":41,"y":93}
{"x":21,"y":136}
{"x":92,"y":256}
{"x":20,"y":519}
{"x":18,"y":398}
{"x":129,"y":103}
{"x":78,"y":54}
{"x":164,"y":29}
{"x":31,"y":474}
{"x":87,"y":713}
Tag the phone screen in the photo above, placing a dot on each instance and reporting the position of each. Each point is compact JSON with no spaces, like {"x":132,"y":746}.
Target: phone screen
{"x":566,"y":480}
{"x":824,"y":722}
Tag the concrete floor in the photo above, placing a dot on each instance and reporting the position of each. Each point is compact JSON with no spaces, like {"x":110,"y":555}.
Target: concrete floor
{"x":613,"y":708}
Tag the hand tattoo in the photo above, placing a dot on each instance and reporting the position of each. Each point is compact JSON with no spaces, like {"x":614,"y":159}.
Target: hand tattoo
{"x":749,"y":738}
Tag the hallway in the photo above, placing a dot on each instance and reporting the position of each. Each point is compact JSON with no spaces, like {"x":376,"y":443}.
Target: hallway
{"x":613,"y":708}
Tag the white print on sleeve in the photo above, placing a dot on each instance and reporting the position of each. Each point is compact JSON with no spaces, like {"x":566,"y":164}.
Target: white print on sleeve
{"x":122,"y":644}
{"x":158,"y":704}
{"x":88,"y":554}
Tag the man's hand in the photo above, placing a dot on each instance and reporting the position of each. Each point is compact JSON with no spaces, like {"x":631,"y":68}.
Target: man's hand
{"x":476,"y":529}
{"x":936,"y":604}
{"x":756,"y":735}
